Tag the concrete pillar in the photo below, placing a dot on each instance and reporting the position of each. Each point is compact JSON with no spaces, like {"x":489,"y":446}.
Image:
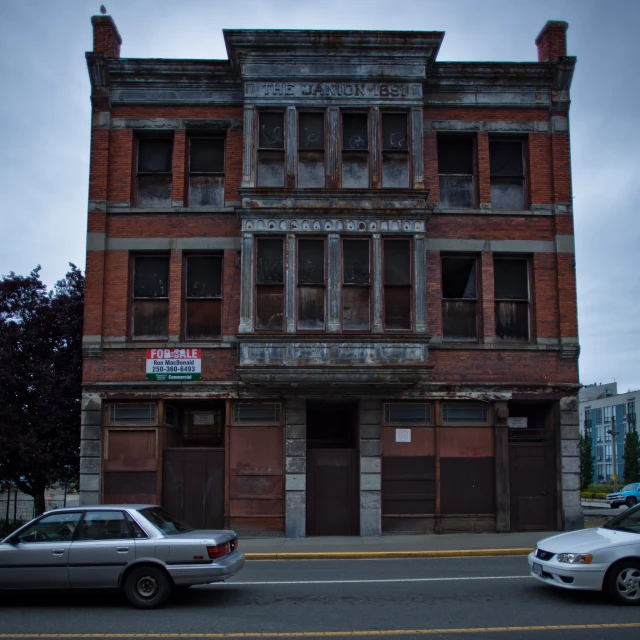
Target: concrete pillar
{"x":290,"y":284}
{"x":420,"y":284}
{"x":247,"y":286}
{"x":334,"y":283}
{"x":572,"y":515}
{"x":90,"y":448}
{"x":295,"y":468}
{"x":416,"y":143}
{"x":370,"y":468}
{"x":377,"y":283}
{"x":249,"y":156}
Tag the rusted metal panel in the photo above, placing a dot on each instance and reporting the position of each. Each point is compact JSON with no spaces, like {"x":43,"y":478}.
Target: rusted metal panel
{"x":131,"y":450}
{"x":467,"y":442}
{"x":130,"y":487}
{"x":468,"y":486}
{"x":256,"y":507}
{"x":422,"y":442}
{"x":408,"y":485}
{"x":332,"y":492}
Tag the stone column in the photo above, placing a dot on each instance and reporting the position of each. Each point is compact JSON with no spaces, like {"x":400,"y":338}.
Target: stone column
{"x":370,"y":468}
{"x":333,"y":150}
{"x":377,"y":283}
{"x":334,"y":283}
{"x":291,"y":149}
{"x":375,"y":151}
{"x":290,"y":284}
{"x":419,"y":282}
{"x":249,"y":156}
{"x":90,"y":448}
{"x":572,"y":515}
{"x":247,"y":285}
{"x":416,"y":144}
{"x":296,"y":468}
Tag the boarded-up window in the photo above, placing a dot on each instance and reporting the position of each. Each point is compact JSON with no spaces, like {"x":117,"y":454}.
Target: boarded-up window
{"x":355,"y":151}
{"x":465,"y":413}
{"x":511,"y":292}
{"x":459,"y":298}
{"x":206,"y":172}
{"x":395,"y":150}
{"x":455,"y":166}
{"x":416,"y":413}
{"x":256,"y":413}
{"x":129,"y":413}
{"x":356,"y":285}
{"x":154,"y":172}
{"x":311,"y":285}
{"x":271,"y":149}
{"x":203,"y":298}
{"x":270,"y":284}
{"x":397,"y":284}
{"x":311,"y":150}
{"x":150,"y":308}
{"x":507,"y":174}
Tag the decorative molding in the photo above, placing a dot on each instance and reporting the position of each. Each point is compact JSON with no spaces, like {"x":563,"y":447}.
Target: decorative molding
{"x":331,"y":225}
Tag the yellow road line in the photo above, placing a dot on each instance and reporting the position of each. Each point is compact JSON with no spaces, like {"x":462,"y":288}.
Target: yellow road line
{"x":376,"y":555}
{"x":331,"y":634}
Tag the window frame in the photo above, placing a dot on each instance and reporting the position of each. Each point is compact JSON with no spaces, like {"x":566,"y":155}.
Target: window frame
{"x":186,"y":298}
{"x":411,"y":284}
{"x":529,"y":300}
{"x":487,"y":422}
{"x":283,"y":241}
{"x":368,"y":151}
{"x":407,"y":151}
{"x":145,"y":136}
{"x":474,"y":168}
{"x":133,"y":298}
{"x":387,"y":418}
{"x":272,"y":150}
{"x":279,"y":418}
{"x":523,"y":141}
{"x":188,"y":173}
{"x":324,"y":285}
{"x":477,"y":299}
{"x":299,"y":113}
{"x":370,"y":287}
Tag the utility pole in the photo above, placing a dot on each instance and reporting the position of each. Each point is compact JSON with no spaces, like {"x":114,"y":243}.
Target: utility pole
{"x":613,"y":446}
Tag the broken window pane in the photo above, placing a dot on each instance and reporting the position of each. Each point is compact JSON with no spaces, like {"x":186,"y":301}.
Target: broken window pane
{"x":206,"y":155}
{"x":270,"y":169}
{"x":270,"y":262}
{"x":311,"y":131}
{"x":397,"y":308}
{"x":459,"y":278}
{"x":311,"y":261}
{"x":270,"y":305}
{"x":459,"y":319}
{"x":203,"y":319}
{"x":455,"y":165}
{"x":355,"y":308}
{"x":397,"y":262}
{"x":507,"y":174}
{"x":394,"y":131}
{"x":154,"y":190}
{"x":459,"y":306}
{"x":311,"y":308}
{"x":355,"y":170}
{"x":511,"y":291}
{"x":507,"y":194}
{"x":154,"y":155}
{"x":395,"y":170}
{"x":355,"y":132}
{"x":311,"y":169}
{"x":271,"y":130}
{"x":150,"y":319}
{"x":204,"y":277}
{"x":355,"y":261}
{"x":456,"y":192}
{"x":151,"y":277}
{"x":206,"y":191}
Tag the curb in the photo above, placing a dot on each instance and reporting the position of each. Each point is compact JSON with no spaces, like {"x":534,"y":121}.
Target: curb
{"x":378,"y":555}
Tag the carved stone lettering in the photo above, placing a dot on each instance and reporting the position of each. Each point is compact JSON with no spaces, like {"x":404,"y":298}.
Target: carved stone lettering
{"x":333,"y":90}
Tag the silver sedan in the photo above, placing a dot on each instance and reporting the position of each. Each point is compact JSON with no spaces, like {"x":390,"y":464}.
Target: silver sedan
{"x":141,"y":549}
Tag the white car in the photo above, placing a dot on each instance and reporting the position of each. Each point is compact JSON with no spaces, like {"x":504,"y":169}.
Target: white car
{"x":604,"y":558}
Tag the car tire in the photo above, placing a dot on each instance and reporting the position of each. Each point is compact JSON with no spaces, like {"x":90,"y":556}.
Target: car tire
{"x":623,"y":582}
{"x":147,"y":587}
{"x":614,"y":506}
{"x":630,"y":501}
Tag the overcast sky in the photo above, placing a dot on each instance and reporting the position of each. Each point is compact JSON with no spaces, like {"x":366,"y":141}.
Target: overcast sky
{"x":45,"y":116}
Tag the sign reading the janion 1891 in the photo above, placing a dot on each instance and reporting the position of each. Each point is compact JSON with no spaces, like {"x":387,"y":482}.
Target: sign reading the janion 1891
{"x":168,"y":365}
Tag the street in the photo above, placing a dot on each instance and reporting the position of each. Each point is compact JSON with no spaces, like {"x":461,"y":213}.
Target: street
{"x":452,"y":597}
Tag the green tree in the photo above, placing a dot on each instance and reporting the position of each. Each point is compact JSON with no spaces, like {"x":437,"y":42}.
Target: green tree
{"x":631,"y":456}
{"x":41,"y":355}
{"x":586,"y":463}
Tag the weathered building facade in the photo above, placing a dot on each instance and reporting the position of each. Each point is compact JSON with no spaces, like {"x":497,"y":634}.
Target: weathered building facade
{"x":331,"y":286}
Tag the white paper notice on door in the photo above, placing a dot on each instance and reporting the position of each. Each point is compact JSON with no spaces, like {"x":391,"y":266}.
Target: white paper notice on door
{"x":403,"y":435}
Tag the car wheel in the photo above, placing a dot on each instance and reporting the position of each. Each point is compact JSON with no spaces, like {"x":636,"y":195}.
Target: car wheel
{"x":614,"y":506}
{"x":630,"y":501}
{"x":147,"y":587}
{"x":623,"y":582}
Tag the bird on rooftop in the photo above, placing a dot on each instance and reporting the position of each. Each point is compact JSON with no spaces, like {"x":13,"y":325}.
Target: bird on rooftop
{"x":103,"y":9}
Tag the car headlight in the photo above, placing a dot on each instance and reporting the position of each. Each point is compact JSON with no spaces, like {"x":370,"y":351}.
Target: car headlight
{"x":575,"y":558}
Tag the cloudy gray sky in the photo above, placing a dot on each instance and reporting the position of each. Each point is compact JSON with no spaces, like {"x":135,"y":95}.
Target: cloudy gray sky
{"x":45,"y":115}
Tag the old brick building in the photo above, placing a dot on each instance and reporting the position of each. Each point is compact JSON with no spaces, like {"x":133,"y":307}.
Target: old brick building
{"x":331,"y":286}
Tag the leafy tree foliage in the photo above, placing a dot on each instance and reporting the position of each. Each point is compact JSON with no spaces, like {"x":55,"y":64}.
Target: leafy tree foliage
{"x":586,"y":463}
{"x":40,"y":376}
{"x":631,"y":456}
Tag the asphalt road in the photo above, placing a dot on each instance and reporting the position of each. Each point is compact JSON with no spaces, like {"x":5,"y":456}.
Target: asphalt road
{"x":439,"y":598}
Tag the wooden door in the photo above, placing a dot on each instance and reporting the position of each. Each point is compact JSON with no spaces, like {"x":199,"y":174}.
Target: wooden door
{"x":193,"y":486}
{"x":333,"y":492}
{"x":533,"y":487}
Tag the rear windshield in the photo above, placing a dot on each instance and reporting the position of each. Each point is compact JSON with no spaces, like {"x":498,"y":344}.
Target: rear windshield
{"x":162,"y":519}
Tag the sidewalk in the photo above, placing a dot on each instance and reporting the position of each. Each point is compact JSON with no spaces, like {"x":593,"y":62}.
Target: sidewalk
{"x":392,"y":546}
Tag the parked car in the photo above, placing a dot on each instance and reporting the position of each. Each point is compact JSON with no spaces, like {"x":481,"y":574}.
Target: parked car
{"x":605,"y":558}
{"x":141,"y":549}
{"x":629,"y":495}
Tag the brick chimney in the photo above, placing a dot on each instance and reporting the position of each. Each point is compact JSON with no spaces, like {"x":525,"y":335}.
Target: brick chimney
{"x":552,"y":41}
{"x":106,"y":39}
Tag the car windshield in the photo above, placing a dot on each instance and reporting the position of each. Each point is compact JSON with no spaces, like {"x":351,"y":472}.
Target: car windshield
{"x":630,"y":487}
{"x":164,"y":521}
{"x":627,"y":521}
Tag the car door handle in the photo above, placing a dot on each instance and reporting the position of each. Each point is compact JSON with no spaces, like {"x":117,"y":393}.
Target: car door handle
{"x":122,"y":549}
{"x":58,"y":552}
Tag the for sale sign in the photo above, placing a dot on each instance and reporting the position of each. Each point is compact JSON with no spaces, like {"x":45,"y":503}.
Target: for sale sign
{"x":170,"y":365}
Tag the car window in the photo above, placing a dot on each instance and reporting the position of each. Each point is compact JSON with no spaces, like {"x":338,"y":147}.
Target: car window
{"x":164,"y":521}
{"x":104,"y":525}
{"x":626,"y":521}
{"x":57,"y":527}
{"x":630,"y":487}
